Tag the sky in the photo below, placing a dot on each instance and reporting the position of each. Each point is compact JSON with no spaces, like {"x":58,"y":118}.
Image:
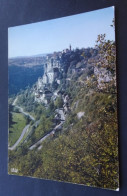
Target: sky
{"x":79,"y":30}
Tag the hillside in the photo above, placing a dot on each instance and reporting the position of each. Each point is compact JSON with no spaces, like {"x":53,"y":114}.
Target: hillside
{"x":74,"y":137}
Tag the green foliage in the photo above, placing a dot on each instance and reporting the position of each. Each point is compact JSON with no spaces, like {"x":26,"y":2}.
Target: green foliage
{"x":16,"y":125}
{"x":59,"y":102}
{"x":107,"y":60}
{"x":43,"y":128}
{"x":20,"y":77}
{"x":85,"y":151}
{"x":26,"y":100}
{"x":27,"y":118}
{"x":51,"y":107}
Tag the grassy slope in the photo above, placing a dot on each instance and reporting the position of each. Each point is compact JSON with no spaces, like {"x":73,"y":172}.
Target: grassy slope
{"x":16,"y":128}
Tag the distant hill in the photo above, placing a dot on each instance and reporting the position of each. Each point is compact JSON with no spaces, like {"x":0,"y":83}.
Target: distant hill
{"x":27,"y":61}
{"x":24,"y":72}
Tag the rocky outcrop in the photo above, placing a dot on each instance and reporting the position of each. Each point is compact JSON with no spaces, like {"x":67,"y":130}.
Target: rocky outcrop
{"x":42,"y":89}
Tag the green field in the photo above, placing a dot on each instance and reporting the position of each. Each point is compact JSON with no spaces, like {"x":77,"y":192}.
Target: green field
{"x":15,"y":129}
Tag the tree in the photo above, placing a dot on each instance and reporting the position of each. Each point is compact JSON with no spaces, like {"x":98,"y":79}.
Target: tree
{"x":51,"y":106}
{"x":103,"y":79}
{"x":10,"y":115}
{"x":59,"y":102}
{"x":107,"y":61}
{"x":27,"y":118}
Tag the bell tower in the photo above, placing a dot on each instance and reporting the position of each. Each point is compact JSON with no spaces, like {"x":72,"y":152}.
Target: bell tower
{"x":70,"y":47}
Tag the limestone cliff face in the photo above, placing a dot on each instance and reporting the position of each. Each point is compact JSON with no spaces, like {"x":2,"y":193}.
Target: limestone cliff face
{"x":50,"y":71}
{"x":51,"y":74}
{"x":103,"y":76}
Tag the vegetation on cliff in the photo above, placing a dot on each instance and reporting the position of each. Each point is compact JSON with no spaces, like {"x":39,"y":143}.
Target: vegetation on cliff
{"x":85,"y":149}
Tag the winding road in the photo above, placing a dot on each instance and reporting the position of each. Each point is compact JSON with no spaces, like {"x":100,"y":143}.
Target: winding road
{"x":20,"y":138}
{"x":44,"y":137}
{"x":57,"y":127}
{"x":25,"y":128}
{"x":59,"y":111}
{"x":21,"y":110}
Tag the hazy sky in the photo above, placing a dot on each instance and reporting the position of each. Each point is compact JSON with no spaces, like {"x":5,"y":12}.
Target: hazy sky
{"x":55,"y":35}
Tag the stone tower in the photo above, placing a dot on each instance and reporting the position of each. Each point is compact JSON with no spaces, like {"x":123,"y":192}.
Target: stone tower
{"x":70,"y":47}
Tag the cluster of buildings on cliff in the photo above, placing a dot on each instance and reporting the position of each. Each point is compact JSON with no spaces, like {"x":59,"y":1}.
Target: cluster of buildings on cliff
{"x":52,"y":71}
{"x":44,"y":89}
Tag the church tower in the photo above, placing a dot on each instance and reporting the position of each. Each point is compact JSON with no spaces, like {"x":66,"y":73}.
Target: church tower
{"x":70,"y":47}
